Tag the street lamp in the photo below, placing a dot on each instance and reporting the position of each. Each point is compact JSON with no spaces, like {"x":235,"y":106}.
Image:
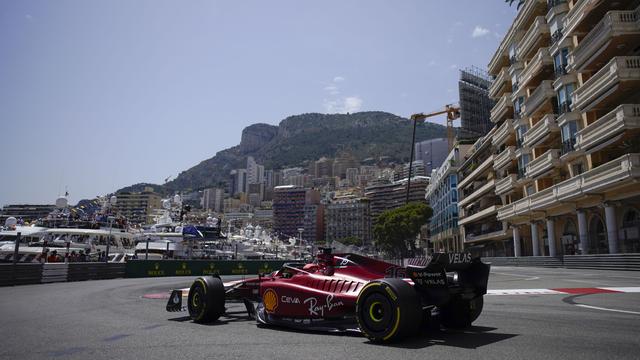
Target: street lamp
{"x":415,"y":120}
{"x":112,"y":202}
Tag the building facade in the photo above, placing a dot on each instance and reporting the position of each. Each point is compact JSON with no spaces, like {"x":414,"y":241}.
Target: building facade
{"x":138,"y":207}
{"x":212,"y":199}
{"x":442,"y":197}
{"x":348,"y":218}
{"x":25,"y":212}
{"x":475,"y":104}
{"x":386,"y":195}
{"x":431,"y":153}
{"x":567,"y":120}
{"x":478,"y":204}
{"x":289,"y":203}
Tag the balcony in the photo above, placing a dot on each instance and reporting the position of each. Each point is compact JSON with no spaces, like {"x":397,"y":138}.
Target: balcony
{"x":479,"y":215}
{"x":491,"y":234}
{"x":506,"y":184}
{"x":529,"y":11}
{"x":543,"y":163}
{"x":538,"y":33}
{"x":606,"y":178}
{"x":490,"y":185}
{"x":476,"y":172}
{"x":541,"y":130}
{"x":621,"y":74}
{"x":503,"y":133}
{"x":505,"y":157}
{"x":609,"y":128}
{"x":540,"y":95}
{"x":615,"y":31}
{"x":536,"y":67}
{"x":500,"y":83}
{"x":542,"y":199}
{"x":502,"y":108}
{"x":577,"y":14}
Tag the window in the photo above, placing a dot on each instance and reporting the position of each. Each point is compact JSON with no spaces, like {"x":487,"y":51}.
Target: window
{"x":564,"y":98}
{"x":577,"y":169}
{"x":560,"y":61}
{"x":453,"y":179}
{"x":569,"y":130}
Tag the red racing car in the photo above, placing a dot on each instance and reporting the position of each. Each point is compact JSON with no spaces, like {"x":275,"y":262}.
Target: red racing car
{"x":345,"y":292}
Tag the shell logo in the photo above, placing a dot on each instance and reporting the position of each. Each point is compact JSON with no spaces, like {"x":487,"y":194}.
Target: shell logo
{"x":270,"y":300}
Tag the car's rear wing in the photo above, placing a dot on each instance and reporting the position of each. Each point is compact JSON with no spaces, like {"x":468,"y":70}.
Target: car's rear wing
{"x":447,"y":274}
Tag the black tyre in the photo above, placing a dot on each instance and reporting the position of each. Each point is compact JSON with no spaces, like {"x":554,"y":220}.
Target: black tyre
{"x":206,"y":299}
{"x":388,"y":309}
{"x":460,"y":313}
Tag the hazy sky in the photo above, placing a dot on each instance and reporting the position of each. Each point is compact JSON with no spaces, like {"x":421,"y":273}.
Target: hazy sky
{"x":97,"y":95}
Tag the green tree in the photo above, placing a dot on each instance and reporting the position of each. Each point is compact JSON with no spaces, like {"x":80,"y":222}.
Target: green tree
{"x":395,"y":230}
{"x":351,"y":240}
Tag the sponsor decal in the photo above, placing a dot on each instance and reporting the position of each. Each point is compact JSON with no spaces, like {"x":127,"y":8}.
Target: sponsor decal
{"x":429,"y":278}
{"x":211,"y":270}
{"x":240,"y":270}
{"x":183,"y":270}
{"x":156,"y":271}
{"x":270,"y":300}
{"x":176,"y":298}
{"x":460,"y":258}
{"x":318,"y":309}
{"x":391,"y":293}
{"x":289,"y":300}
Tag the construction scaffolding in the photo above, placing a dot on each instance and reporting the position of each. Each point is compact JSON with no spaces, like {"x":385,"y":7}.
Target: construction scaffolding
{"x":475,"y":104}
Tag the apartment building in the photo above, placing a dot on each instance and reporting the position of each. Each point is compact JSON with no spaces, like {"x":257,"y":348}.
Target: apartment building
{"x":567,"y":119}
{"x":138,"y":207}
{"x":386,"y":195}
{"x":477,"y":202}
{"x":348,"y":217}
{"x":289,"y":205}
{"x":442,"y":196}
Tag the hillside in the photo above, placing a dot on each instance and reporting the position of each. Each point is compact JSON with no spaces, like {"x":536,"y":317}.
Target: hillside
{"x":302,"y":138}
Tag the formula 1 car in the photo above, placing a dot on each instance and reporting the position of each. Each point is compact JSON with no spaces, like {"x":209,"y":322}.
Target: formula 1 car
{"x":344,"y":292}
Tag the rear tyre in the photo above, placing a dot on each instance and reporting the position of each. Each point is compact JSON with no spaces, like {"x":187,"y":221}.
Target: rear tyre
{"x":206,"y":299}
{"x":388,"y":309}
{"x":460,"y":313}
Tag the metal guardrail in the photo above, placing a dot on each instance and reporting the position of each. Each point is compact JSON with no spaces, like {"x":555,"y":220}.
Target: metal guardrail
{"x":32,"y":273}
{"x":628,"y":262}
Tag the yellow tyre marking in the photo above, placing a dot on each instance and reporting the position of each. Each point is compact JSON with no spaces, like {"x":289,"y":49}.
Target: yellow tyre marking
{"x":367,"y":286}
{"x":395,"y":327}
{"x":204,"y":286}
{"x":371,"y":315}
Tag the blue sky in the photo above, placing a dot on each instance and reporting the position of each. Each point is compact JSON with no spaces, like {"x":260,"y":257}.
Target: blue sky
{"x":97,"y":95}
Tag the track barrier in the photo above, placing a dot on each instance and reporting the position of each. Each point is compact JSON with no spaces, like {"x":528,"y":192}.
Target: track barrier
{"x":158,"y":268}
{"x":34,"y":273}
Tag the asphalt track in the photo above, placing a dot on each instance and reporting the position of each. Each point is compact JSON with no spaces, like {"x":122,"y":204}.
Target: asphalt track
{"x":109,"y":319}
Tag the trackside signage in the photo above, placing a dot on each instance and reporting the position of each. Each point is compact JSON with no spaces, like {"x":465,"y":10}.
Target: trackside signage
{"x":159,"y":268}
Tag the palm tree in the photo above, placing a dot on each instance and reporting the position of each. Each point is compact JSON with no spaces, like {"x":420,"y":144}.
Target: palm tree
{"x":520,"y":2}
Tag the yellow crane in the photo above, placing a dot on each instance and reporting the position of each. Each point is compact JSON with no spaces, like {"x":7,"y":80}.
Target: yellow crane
{"x":453,"y":113}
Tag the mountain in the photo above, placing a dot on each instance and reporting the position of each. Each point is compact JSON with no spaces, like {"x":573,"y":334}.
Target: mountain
{"x":306,"y":137}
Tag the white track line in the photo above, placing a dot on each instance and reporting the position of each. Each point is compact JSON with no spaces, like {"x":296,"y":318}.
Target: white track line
{"x":527,"y":277}
{"x":607,"y":309}
{"x":525,"y":292}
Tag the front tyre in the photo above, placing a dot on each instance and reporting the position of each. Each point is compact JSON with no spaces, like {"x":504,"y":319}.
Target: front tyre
{"x":206,"y":299}
{"x":388,"y":309}
{"x":460,"y":313}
